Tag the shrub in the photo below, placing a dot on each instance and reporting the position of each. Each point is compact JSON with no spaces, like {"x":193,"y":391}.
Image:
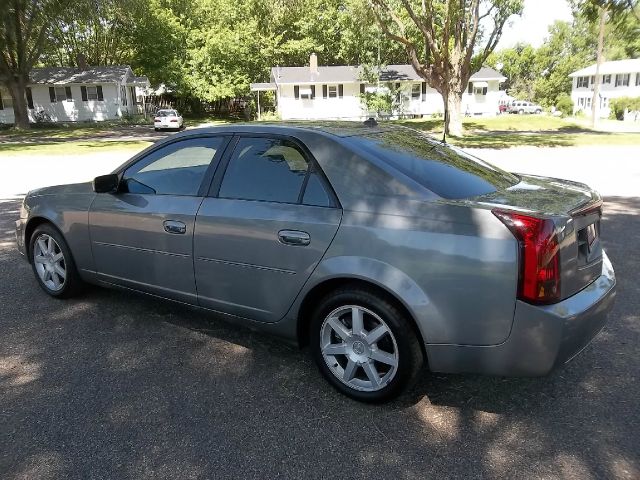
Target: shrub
{"x":564,"y":104}
{"x":619,"y":105}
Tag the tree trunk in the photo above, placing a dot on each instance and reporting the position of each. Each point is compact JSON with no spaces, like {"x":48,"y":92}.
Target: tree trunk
{"x":17,"y":89}
{"x":595,"y":110}
{"x":453,"y":122}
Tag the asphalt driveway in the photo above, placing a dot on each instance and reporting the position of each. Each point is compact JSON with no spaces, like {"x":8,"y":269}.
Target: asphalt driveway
{"x":116,"y":385}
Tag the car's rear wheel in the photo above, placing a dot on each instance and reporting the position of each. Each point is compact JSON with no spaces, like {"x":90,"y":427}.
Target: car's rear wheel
{"x":538,"y":111}
{"x":364,"y":346}
{"x":52,"y":263}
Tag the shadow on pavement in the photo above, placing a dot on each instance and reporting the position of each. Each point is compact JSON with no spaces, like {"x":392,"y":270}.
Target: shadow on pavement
{"x":117,"y":385}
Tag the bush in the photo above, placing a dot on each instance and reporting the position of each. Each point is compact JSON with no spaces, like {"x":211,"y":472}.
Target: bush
{"x":619,"y":105}
{"x":564,"y":104}
{"x":269,"y":116}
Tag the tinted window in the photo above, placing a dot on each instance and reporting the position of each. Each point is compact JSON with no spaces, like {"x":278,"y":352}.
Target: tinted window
{"x":446,"y":171}
{"x":264,"y":169}
{"x":176,"y":169}
{"x":315,"y":193}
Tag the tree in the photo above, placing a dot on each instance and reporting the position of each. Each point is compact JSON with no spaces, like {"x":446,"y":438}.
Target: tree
{"x":603,"y":10}
{"x":441,"y":37}
{"x":24,"y":29}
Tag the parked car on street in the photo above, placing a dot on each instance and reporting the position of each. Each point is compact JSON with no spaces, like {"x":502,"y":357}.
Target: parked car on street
{"x":167,"y":119}
{"x":379,"y":247}
{"x":521,"y":107}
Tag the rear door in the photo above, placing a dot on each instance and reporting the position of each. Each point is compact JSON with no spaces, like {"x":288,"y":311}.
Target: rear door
{"x":269,"y":219}
{"x":142,"y":236}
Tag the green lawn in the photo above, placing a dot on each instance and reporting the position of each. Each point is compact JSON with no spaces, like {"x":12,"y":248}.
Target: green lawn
{"x":72,"y":147}
{"x":506,"y":131}
{"x":503,"y":131}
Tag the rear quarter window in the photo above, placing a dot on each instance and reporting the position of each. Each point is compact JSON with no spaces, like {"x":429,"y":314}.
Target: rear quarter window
{"x":444,"y":170}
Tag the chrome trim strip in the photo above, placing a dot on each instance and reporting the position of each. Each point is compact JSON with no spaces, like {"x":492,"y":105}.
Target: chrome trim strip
{"x":246,"y":265}
{"x":139,"y":249}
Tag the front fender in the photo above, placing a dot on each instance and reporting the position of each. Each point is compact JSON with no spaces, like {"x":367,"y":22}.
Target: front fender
{"x":69,"y":213}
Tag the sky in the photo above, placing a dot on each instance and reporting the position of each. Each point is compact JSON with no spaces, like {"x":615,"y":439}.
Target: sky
{"x":532,"y":26}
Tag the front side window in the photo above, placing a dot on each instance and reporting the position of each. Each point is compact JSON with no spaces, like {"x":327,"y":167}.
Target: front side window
{"x":175,"y":169}
{"x":271,"y":170}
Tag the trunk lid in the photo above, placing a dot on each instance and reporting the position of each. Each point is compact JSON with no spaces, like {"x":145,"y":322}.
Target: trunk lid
{"x":575,"y":209}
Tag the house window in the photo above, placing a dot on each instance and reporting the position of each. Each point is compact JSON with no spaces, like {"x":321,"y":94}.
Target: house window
{"x":333,"y":91}
{"x":583,"y":82}
{"x":622,"y":79}
{"x":92,"y":93}
{"x":479,"y":90}
{"x":637,"y":79}
{"x":604,"y":102}
{"x":61,"y":94}
{"x":606,"y":79}
{"x":416,"y":90}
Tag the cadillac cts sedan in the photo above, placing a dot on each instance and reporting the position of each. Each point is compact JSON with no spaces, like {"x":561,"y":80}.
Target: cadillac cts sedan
{"x":378,"y":247}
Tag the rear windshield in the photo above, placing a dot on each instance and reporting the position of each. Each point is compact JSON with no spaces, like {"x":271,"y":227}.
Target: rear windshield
{"x":166,"y":113}
{"x":446,"y":171}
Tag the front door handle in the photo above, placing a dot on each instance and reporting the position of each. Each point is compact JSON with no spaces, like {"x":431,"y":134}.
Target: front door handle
{"x":174,"y":226}
{"x":294,"y":237}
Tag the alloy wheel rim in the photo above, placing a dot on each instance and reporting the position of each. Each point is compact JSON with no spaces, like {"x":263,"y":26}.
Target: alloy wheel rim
{"x":359,"y":348}
{"x":49,"y":262}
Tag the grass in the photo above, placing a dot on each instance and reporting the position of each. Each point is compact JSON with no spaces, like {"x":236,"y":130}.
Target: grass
{"x":503,"y":131}
{"x":507,"y":131}
{"x":72,"y":147}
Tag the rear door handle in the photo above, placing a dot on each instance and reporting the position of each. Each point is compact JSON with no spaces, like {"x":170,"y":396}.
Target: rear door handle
{"x":174,"y":226}
{"x":294,"y":237}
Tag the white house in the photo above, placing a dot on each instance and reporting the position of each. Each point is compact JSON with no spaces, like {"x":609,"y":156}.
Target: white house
{"x":620,"y":78}
{"x":333,"y":92}
{"x":66,"y":94}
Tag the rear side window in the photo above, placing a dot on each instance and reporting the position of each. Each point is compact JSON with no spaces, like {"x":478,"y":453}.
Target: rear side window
{"x":444,"y":170}
{"x":271,"y":170}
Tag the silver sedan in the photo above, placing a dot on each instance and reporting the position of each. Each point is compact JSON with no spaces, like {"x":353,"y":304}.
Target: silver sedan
{"x":379,"y":248}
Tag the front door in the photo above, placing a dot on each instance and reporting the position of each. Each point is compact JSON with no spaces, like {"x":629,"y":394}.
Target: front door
{"x":142,"y":236}
{"x":266,"y":226}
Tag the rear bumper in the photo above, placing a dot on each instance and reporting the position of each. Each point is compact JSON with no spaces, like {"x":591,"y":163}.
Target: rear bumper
{"x":542,"y":337}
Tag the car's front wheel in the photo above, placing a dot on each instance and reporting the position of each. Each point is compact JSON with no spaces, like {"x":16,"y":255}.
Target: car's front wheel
{"x":52,"y":263}
{"x":363,"y":345}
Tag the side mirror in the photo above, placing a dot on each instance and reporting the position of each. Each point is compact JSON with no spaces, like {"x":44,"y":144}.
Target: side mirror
{"x":106,"y":183}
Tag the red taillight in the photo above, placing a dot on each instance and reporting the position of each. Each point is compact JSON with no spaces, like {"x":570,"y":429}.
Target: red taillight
{"x":175,"y":120}
{"x":539,"y":263}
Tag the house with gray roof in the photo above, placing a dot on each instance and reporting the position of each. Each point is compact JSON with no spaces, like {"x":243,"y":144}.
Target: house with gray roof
{"x":316,"y":92}
{"x":68,"y":94}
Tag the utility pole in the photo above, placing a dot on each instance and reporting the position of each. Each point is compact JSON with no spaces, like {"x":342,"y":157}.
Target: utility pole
{"x":595,"y":101}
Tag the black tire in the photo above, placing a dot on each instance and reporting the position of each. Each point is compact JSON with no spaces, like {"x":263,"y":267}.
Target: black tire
{"x":409,"y":353}
{"x":538,"y":112}
{"x":520,"y":112}
{"x":156,"y":129}
{"x":72,"y":284}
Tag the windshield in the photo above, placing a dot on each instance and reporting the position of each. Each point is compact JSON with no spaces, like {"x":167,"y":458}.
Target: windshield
{"x":446,"y":171}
